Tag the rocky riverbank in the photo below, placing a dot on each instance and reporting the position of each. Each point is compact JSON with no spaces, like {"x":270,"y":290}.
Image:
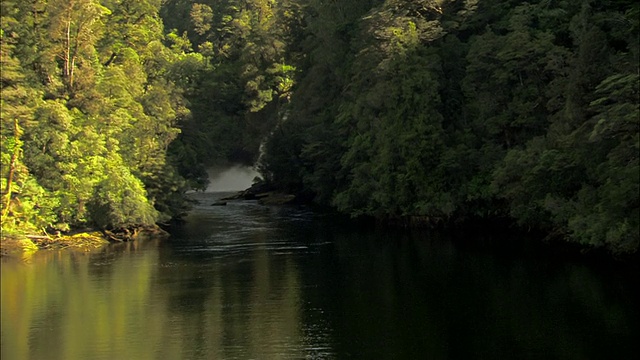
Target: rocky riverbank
{"x":264,"y":193}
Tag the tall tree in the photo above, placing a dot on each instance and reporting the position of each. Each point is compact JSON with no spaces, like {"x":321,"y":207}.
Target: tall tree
{"x":74,"y":27}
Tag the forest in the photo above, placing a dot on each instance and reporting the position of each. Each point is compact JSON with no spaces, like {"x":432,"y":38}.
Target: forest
{"x":414,"y":112}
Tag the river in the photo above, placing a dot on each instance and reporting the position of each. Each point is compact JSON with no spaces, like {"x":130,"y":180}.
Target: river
{"x":245,"y":281}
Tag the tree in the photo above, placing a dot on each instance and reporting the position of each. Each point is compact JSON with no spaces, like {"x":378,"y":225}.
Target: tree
{"x":74,"y":27}
{"x":580,"y":180}
{"x":107,"y":105}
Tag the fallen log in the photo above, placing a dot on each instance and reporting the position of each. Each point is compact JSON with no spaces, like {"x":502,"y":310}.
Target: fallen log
{"x":38,"y":237}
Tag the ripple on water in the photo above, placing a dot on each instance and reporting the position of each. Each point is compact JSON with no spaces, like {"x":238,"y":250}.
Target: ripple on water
{"x":242,"y":227}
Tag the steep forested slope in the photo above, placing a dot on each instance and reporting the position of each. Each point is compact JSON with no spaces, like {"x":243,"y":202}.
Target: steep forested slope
{"x":427,"y":111}
{"x":416,"y":111}
{"x":89,"y":107}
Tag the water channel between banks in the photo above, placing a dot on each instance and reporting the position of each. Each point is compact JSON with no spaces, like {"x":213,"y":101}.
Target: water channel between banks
{"x":245,"y":281}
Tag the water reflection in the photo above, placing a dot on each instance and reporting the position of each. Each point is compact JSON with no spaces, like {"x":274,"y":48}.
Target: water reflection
{"x":414,"y":296}
{"x":135,"y":302}
{"x":58,"y":306}
{"x":252,"y":282}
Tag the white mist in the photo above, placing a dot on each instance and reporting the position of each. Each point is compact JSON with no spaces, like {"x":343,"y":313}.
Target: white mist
{"x":233,"y":178}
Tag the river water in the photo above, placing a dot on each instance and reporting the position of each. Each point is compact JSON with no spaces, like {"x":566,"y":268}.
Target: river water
{"x":244,"y":281}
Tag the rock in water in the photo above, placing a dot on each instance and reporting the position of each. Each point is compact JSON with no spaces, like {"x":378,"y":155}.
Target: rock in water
{"x":274,"y":198}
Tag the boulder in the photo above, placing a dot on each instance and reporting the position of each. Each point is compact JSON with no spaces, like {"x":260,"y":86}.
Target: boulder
{"x":274,"y":198}
{"x":251,"y":193}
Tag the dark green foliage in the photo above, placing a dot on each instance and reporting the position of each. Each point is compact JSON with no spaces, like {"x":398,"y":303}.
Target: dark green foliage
{"x":582,"y":177}
{"x":241,"y":78}
{"x":451,"y":109}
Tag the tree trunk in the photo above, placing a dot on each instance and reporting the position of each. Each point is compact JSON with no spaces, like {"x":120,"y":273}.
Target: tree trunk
{"x":67,"y":71}
{"x":8,"y":191}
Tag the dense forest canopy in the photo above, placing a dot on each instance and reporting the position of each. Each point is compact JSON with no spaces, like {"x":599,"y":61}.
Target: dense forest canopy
{"x":438,"y":111}
{"x":414,"y":112}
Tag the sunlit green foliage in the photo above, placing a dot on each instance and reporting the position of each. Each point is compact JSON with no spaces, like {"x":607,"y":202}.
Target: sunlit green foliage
{"x":88,"y":113}
{"x":25,"y":204}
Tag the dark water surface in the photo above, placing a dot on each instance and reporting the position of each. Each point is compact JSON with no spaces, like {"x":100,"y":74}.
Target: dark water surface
{"x":245,"y":281}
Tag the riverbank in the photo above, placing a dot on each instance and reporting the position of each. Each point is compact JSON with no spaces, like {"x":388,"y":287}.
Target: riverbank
{"x":87,"y":240}
{"x":18,"y":244}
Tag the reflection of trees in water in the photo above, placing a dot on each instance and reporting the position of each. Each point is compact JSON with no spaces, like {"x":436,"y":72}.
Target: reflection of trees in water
{"x":61,"y":311}
{"x":417,"y":295}
{"x":383,"y":294}
{"x":129,"y":303}
{"x":235,"y":307}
